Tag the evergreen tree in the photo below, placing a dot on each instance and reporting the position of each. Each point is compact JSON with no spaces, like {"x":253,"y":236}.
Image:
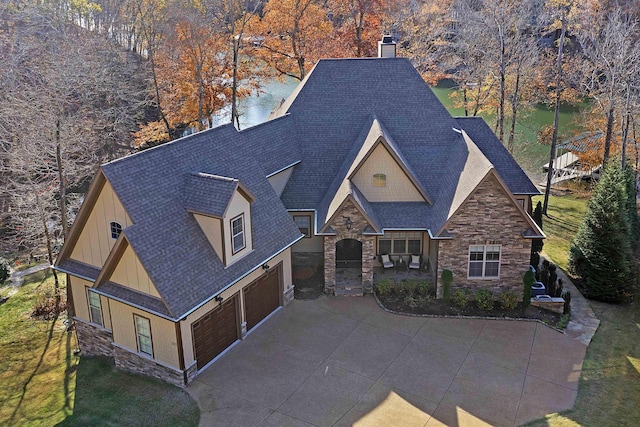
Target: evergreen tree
{"x":537,"y":244}
{"x":601,"y":250}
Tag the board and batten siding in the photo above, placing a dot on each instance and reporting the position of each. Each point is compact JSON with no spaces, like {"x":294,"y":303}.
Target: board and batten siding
{"x":236,"y":289}
{"x":130,"y":273}
{"x":79,"y":289}
{"x":95,"y":243}
{"x":399,"y":187}
{"x":163,"y":333}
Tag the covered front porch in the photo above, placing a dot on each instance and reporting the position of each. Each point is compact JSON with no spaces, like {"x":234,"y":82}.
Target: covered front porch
{"x":348,"y":279}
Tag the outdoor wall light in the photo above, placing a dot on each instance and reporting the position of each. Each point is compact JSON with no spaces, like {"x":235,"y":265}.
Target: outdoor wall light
{"x":265,"y":267}
{"x":347,"y":222}
{"x":219,"y":299}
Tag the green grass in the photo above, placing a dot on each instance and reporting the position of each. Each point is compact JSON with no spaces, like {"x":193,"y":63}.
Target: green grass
{"x":561,"y":225}
{"x":44,"y":383}
{"x":609,"y":389}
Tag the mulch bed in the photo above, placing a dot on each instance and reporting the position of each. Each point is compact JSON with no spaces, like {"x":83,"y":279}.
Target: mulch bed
{"x":308,"y":281}
{"x":440,"y":307}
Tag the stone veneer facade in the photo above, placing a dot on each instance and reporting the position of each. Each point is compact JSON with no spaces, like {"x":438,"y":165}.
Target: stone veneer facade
{"x":358,"y":224}
{"x":93,"y":339}
{"x":139,"y":364}
{"x":487,"y":217}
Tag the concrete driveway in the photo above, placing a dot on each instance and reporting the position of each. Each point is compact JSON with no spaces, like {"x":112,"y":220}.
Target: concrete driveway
{"x":344,"y":361}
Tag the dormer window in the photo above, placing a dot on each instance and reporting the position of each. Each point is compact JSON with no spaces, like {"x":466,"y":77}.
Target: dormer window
{"x":116,"y":229}
{"x":379,"y":180}
{"x":237,"y":233}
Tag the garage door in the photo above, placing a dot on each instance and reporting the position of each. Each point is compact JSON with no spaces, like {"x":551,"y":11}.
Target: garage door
{"x":215,"y":331}
{"x":263,"y":296}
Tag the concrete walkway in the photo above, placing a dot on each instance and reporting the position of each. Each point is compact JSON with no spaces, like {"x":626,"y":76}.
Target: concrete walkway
{"x":16,"y":278}
{"x":344,"y":361}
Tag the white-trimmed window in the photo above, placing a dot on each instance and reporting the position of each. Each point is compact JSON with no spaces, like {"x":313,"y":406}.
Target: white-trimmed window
{"x":143,"y":334}
{"x":237,"y":233}
{"x":402,"y":242}
{"x":379,"y":180}
{"x":303,"y":222}
{"x":115,"y":229}
{"x":95,"y":308}
{"x":484,"y":261}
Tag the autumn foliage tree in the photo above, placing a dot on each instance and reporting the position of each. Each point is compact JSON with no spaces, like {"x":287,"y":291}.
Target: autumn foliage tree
{"x":292,"y":35}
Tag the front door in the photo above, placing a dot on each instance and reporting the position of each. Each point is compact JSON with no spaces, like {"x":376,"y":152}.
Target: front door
{"x":349,"y":253}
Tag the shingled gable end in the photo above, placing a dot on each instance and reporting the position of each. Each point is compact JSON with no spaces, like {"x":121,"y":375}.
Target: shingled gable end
{"x":181,"y":249}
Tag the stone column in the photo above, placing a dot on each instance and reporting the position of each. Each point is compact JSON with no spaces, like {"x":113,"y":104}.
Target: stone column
{"x":329,"y":264}
{"x":368,"y":253}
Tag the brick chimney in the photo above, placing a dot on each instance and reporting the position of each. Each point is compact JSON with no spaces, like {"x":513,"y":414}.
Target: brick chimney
{"x":387,"y":47}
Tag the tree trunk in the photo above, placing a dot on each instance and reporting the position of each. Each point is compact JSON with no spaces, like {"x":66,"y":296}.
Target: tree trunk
{"x":47,"y":236}
{"x":465,"y":101}
{"x":626,"y":128}
{"x":62,"y":187}
{"x":609,"y":134}
{"x":514,"y":110}
{"x":556,"y":115}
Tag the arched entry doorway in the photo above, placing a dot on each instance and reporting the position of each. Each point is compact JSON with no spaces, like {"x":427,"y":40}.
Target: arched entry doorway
{"x":349,"y":254}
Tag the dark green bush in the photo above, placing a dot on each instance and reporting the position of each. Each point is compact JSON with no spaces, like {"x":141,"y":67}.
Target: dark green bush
{"x":484,"y":299}
{"x":447,"y":280}
{"x":383,"y":288}
{"x":4,"y":270}
{"x":424,"y":287}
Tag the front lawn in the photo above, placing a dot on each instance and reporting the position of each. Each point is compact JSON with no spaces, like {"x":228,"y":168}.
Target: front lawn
{"x":44,"y":383}
{"x":609,"y":389}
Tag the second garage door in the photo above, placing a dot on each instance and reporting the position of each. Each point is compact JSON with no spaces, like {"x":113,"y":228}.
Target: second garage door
{"x":215,"y":331}
{"x":263,"y":296}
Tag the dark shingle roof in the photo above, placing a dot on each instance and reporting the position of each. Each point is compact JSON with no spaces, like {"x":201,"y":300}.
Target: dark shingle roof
{"x":321,"y":129}
{"x":337,"y":105}
{"x":506,"y":166}
{"x":167,"y":239}
{"x":208,"y":194}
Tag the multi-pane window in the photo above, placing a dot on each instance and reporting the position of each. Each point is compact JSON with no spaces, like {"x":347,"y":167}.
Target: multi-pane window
{"x":303,"y":222}
{"x":95,"y":309}
{"x":379,"y":180}
{"x":400,"y":243}
{"x":484,"y":260}
{"x":237,"y":233}
{"x":115,"y":228}
{"x":143,"y":334}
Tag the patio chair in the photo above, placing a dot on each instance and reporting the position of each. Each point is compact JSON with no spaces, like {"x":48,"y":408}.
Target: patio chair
{"x":416,"y":263}
{"x":386,"y":262}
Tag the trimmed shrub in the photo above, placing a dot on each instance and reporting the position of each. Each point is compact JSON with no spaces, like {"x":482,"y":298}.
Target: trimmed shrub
{"x":484,"y":299}
{"x":567,"y":303}
{"x":383,"y":288}
{"x":528,"y":280}
{"x":535,"y":260}
{"x":424,"y":287}
{"x":447,"y":280}
{"x":508,"y":300}
{"x":461,"y":297}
